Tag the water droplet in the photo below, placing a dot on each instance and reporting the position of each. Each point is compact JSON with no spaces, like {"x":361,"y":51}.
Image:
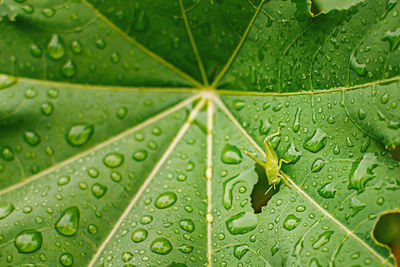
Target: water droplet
{"x":92,"y":228}
{"x":229,"y":184}
{"x":6,"y":209}
{"x":393,"y":38}
{"x":139,"y":235}
{"x":187,"y":225}
{"x":31,"y":93}
{"x":122,"y":112}
{"x":76,"y":47}
{"x":264,"y":127}
{"x":116,"y":177}
{"x":360,"y":68}
{"x":140,"y":155}
{"x":113,"y":160}
{"x":80,"y":134}
{"x":361,"y":114}
{"x":165,"y":200}
{"x":327,"y":190}
{"x":231,"y":155}
{"x":298,"y":247}
{"x":315,"y":142}
{"x":6,"y":81}
{"x":101,"y":44}
{"x":314,"y":263}
{"x":317,"y":165}
{"x":141,"y":20}
{"x":66,"y":259}
{"x":385,"y":98}
{"x":7,"y":154}
{"x":380,"y":201}
{"x":93,"y":172}
{"x":291,"y":222}
{"x":69,"y":69}
{"x":161,"y":246}
{"x":186,"y":248}
{"x":239,"y":251}
{"x":242,"y":223}
{"x":322,"y":239}
{"x":356,"y":205}
{"x":47,"y":108}
{"x":35,"y":50}
{"x":238,"y":104}
{"x":98,"y":190}
{"x":362,"y":171}
{"x":28,"y":241}
{"x":126,"y":256}
{"x":300,"y":208}
{"x":156,"y":131}
{"x":115,"y":57}
{"x":48,"y":12}
{"x":146,"y":219}
{"x":31,"y":138}
{"x":296,"y":122}
{"x":56,"y":48}
{"x":292,"y":154}
{"x":68,"y":222}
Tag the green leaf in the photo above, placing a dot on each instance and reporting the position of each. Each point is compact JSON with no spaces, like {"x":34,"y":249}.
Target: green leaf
{"x":123,"y":127}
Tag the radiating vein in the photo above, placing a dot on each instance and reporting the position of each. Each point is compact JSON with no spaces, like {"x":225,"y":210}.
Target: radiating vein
{"x":103,"y":144}
{"x":155,"y":170}
{"x":233,"y":56}
{"x":192,"y":42}
{"x":297,"y":188}
{"x":209,"y":171}
{"x":143,"y":48}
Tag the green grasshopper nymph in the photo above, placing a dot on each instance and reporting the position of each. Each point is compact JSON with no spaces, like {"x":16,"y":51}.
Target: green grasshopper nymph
{"x":272,"y":164}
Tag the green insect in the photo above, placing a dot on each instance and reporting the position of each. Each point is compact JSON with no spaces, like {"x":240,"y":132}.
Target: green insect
{"x":272,"y":164}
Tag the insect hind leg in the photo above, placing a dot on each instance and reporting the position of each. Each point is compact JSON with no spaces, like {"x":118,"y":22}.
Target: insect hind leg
{"x":284,"y":177}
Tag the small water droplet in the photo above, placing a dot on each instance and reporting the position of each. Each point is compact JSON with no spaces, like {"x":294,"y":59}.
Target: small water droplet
{"x":93,"y":172}
{"x":126,"y":256}
{"x":28,"y":241}
{"x":113,"y":160}
{"x":56,"y":48}
{"x":165,"y":200}
{"x":316,"y":142}
{"x":7,"y":154}
{"x":296,"y":122}
{"x":291,"y":222}
{"x":242,"y":223}
{"x":187,"y":225}
{"x":146,"y":219}
{"x":6,"y":209}
{"x":186,"y":248}
{"x":384,"y":98}
{"x":31,"y":93}
{"x":238,"y":104}
{"x":300,"y":208}
{"x":66,"y":259}
{"x":239,"y":251}
{"x":264,"y":127}
{"x":32,"y":138}
{"x":35,"y":50}
{"x":98,"y":190}
{"x":48,"y":12}
{"x":361,"y":114}
{"x":47,"y":108}
{"x":80,"y":134}
{"x":122,"y":112}
{"x":161,"y":246}
{"x":76,"y":47}
{"x":231,"y":155}
{"x":101,"y":44}
{"x":140,"y":155}
{"x":139,"y":235}
{"x":69,"y":69}
{"x":68,"y":222}
{"x":141,"y":20}
{"x":115,"y":57}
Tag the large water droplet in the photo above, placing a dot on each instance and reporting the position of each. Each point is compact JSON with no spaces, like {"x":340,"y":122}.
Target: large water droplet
{"x":327,"y":190}
{"x":356,"y":205}
{"x":187,"y":225}
{"x":6,"y":209}
{"x":317,"y":165}
{"x":242,"y":223}
{"x":140,"y":155}
{"x":113,"y":160}
{"x":165,"y":200}
{"x":66,"y":259}
{"x":80,"y":134}
{"x":6,"y":81}
{"x":322,"y":239}
{"x":239,"y":251}
{"x":393,"y":38}
{"x":161,"y":246}
{"x":296,"y":122}
{"x":139,"y":235}
{"x":291,"y":222}
{"x":98,"y":190}
{"x":238,"y":104}
{"x":68,"y":223}
{"x":315,"y":142}
{"x":56,"y":48}
{"x":186,"y":248}
{"x":231,"y":155}
{"x":264,"y":127}
{"x":28,"y":241}
{"x":31,"y":138}
{"x":362,"y":171}
{"x":360,"y":68}
{"x":231,"y":182}
{"x":292,"y":154}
